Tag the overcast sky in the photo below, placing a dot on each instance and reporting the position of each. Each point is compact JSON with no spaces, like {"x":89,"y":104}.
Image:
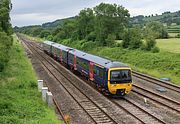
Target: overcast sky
{"x":31,"y":12}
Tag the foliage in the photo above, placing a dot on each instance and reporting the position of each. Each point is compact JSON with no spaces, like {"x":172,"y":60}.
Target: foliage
{"x":97,"y":24}
{"x":177,"y":36}
{"x":110,"y":19}
{"x":20,"y":102}
{"x":110,"y":40}
{"x":5,"y":43}
{"x":132,"y":38}
{"x":158,"y":29}
{"x":5,"y":25}
{"x":85,"y":23}
{"x":45,"y":34}
{"x":167,"y":18}
{"x":5,"y":32}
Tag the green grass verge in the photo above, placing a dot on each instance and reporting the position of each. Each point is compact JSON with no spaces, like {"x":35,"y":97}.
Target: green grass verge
{"x":36,"y":39}
{"x":162,"y":64}
{"x":169,"y":45}
{"x":20,"y":101}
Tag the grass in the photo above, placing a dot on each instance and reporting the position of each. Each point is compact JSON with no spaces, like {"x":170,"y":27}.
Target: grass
{"x":20,"y":101}
{"x":36,"y":39}
{"x":170,"y":45}
{"x":174,"y":29}
{"x":162,"y":64}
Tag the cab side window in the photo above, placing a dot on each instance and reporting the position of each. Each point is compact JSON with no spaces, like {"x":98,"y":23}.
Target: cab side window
{"x":98,"y":71}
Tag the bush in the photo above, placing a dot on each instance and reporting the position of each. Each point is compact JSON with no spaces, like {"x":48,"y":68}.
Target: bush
{"x":5,"y":44}
{"x":110,"y":41}
{"x":155,"y":50}
{"x":91,"y":36}
{"x":132,"y":39}
{"x":150,"y":43}
{"x":177,"y":36}
{"x":50,"y":37}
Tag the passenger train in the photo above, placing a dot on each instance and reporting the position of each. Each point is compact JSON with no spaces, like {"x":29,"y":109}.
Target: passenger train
{"x":111,"y":77}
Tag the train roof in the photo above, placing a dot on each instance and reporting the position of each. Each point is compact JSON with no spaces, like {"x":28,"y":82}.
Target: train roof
{"x":48,"y":42}
{"x":57,"y":45}
{"x":98,"y":60}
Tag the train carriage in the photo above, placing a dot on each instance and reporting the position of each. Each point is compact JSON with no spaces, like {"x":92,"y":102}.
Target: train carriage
{"x":47,"y":46}
{"x":112,"y":77}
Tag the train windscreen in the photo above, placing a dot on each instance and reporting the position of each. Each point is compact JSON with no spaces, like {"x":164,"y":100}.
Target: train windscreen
{"x":120,"y":76}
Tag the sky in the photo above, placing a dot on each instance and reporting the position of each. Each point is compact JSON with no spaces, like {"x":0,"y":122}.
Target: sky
{"x":36,"y":12}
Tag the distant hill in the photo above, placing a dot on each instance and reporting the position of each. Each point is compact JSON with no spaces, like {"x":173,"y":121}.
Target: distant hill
{"x":56,"y":23}
{"x":171,"y":20}
{"x":166,"y":18}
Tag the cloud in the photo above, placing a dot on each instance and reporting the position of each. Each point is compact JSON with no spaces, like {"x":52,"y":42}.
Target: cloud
{"x":28,"y":12}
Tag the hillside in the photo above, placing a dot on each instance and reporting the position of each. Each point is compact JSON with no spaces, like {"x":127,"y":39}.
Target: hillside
{"x":167,"y":18}
{"x":56,"y":23}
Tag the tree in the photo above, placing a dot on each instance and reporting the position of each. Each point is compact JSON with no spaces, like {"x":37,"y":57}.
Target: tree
{"x":5,"y":8}
{"x":45,"y":33}
{"x":5,"y":32}
{"x":150,"y":41}
{"x":85,"y":23}
{"x":158,"y":29}
{"x":69,"y":28}
{"x":110,"y":19}
{"x":132,"y":38}
{"x":110,"y":41}
{"x":5,"y":44}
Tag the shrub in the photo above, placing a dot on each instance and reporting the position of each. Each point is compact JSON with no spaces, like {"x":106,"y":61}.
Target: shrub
{"x":150,"y":43}
{"x":177,"y":36}
{"x":155,"y":50}
{"x":5,"y":44}
{"x":110,"y":41}
{"x":132,"y":39}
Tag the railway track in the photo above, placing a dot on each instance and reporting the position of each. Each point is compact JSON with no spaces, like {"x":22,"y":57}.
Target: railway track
{"x":54,"y":100}
{"x":96,"y":113}
{"x":134,"y":109}
{"x":140,"y":114}
{"x":156,"y":81}
{"x":163,"y":100}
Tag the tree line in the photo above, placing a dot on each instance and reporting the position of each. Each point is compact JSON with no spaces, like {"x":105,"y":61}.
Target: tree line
{"x":104,"y":25}
{"x":5,"y":32}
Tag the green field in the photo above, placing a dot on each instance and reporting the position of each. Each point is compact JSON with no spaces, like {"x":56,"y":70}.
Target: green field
{"x":20,"y":101}
{"x":169,"y":45}
{"x":172,"y":35}
{"x":174,"y":29}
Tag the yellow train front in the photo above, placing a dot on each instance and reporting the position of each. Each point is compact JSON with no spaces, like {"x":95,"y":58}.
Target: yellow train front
{"x":119,"y":80}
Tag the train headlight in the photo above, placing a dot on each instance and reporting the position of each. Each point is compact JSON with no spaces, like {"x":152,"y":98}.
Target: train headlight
{"x":113,"y":85}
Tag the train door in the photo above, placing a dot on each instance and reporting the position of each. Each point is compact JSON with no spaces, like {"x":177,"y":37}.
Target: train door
{"x":91,"y":75}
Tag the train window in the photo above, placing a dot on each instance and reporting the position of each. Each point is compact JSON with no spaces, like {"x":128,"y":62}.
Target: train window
{"x":86,"y":66}
{"x":94,"y":70}
{"x":104,"y":75}
{"x":77,"y":61}
{"x":71,"y":58}
{"x":97,"y":72}
{"x":101,"y":73}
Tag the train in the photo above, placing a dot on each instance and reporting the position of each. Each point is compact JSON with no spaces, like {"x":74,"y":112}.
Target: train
{"x":111,"y":77}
